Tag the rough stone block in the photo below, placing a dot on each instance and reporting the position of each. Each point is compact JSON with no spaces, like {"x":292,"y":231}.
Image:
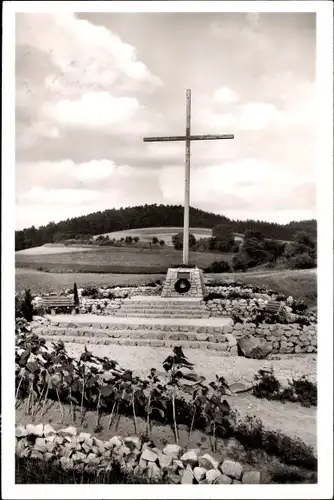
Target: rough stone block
{"x":231,"y":469}
{"x":251,"y":477}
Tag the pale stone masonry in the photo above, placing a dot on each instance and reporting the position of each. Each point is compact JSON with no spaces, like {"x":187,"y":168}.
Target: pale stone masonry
{"x":193,"y":275}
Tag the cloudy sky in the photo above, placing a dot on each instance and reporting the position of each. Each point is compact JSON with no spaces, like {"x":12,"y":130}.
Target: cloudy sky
{"x":89,"y":87}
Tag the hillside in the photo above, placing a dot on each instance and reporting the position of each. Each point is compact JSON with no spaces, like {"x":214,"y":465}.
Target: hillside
{"x":150,"y":216}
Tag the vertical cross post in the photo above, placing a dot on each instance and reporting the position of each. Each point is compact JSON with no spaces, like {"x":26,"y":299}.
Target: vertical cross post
{"x":187,"y":181}
{"x":187,"y":138}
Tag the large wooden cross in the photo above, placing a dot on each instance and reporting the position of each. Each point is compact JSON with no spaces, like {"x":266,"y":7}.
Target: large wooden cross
{"x":187,"y":138}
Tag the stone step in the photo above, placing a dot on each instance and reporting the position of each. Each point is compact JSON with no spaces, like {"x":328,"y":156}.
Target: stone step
{"x":163,"y":300}
{"x":219,"y":348}
{"x":134,"y":334}
{"x":112,"y":324}
{"x":157,"y":314}
{"x":161,"y":307}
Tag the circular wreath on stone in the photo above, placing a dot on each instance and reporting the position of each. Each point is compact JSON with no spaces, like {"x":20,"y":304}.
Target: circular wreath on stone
{"x":182,"y":285}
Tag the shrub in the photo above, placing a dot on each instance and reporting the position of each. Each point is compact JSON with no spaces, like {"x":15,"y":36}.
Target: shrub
{"x":76,"y":297}
{"x":155,"y":240}
{"x":162,"y":243}
{"x":90,"y":291}
{"x":298,"y":306}
{"x":213,"y":295}
{"x":302,"y":261}
{"x":177,"y":240}
{"x":290,"y":474}
{"x":251,"y":433}
{"x":267,"y":386}
{"x":299,"y":390}
{"x":220,"y":266}
{"x":306,"y":391}
{"x":240,"y":262}
{"x":23,"y":306}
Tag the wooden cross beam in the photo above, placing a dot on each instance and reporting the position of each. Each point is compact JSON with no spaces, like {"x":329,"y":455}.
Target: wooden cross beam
{"x":187,"y":138}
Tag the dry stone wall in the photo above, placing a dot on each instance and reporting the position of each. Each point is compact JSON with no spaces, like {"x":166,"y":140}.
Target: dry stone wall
{"x":84,"y":452}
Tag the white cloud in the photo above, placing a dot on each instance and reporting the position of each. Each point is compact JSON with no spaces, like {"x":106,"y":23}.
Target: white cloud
{"x":41,"y":195}
{"x":257,"y":115}
{"x":88,"y":54}
{"x":215,"y":121}
{"x":225,"y":95}
{"x":93,"y":110}
{"x":94,"y":171}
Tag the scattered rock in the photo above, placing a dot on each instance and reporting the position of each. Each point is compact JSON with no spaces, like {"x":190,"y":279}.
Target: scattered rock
{"x":223,"y":479}
{"x":153,"y":471}
{"x":40,"y":445}
{"x":49,"y":430}
{"x":78,"y":456}
{"x":199,"y":473}
{"x":207,"y":462}
{"x":66,"y":463}
{"x":132,"y":442}
{"x":114,"y":442}
{"x":69,"y":431}
{"x":251,"y":477}
{"x":187,"y":477}
{"x":165,"y":460}
{"x":122,"y":451}
{"x":212,"y":475}
{"x":174,"y":479}
{"x":21,"y":431}
{"x":172,"y":450}
{"x":38,"y":455}
{"x":178,"y":464}
{"x":240,"y":387}
{"x":190,"y":457}
{"x":231,"y":469}
{"x":149,"y":455}
{"x":254,"y":347}
{"x":35,"y":430}
{"x":83,"y":436}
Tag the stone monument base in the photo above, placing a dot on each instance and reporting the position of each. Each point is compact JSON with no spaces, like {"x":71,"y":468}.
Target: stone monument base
{"x":184,"y":282}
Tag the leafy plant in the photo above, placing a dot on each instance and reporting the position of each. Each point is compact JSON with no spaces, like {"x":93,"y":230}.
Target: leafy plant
{"x":173,"y":364}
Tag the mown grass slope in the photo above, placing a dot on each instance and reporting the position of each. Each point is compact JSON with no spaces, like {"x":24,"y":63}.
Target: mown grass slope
{"x":115,"y":260}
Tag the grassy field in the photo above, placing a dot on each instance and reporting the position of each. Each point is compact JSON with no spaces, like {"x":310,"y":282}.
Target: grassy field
{"x":41,"y":282}
{"x":162,"y":233}
{"x":114,"y":260}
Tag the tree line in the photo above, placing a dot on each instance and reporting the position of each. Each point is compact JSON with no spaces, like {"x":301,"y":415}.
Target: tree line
{"x":151,"y":216}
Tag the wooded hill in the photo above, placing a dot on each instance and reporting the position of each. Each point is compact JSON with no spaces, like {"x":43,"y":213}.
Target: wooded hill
{"x":151,"y":216}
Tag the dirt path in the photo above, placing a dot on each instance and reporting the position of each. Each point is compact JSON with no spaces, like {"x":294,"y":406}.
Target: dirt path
{"x":291,"y":418}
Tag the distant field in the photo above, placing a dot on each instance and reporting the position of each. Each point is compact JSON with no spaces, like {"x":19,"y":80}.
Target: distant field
{"x":114,"y":260}
{"x":162,"y":233}
{"x":53,"y":248}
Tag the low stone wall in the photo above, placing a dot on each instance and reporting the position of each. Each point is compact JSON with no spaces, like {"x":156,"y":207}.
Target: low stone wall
{"x":82,"y":451}
{"x":285,"y":339}
{"x":102,"y":307}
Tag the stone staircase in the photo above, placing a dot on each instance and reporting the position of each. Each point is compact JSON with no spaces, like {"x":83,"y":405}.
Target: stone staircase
{"x":158,"y":307}
{"x":196,"y":333}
